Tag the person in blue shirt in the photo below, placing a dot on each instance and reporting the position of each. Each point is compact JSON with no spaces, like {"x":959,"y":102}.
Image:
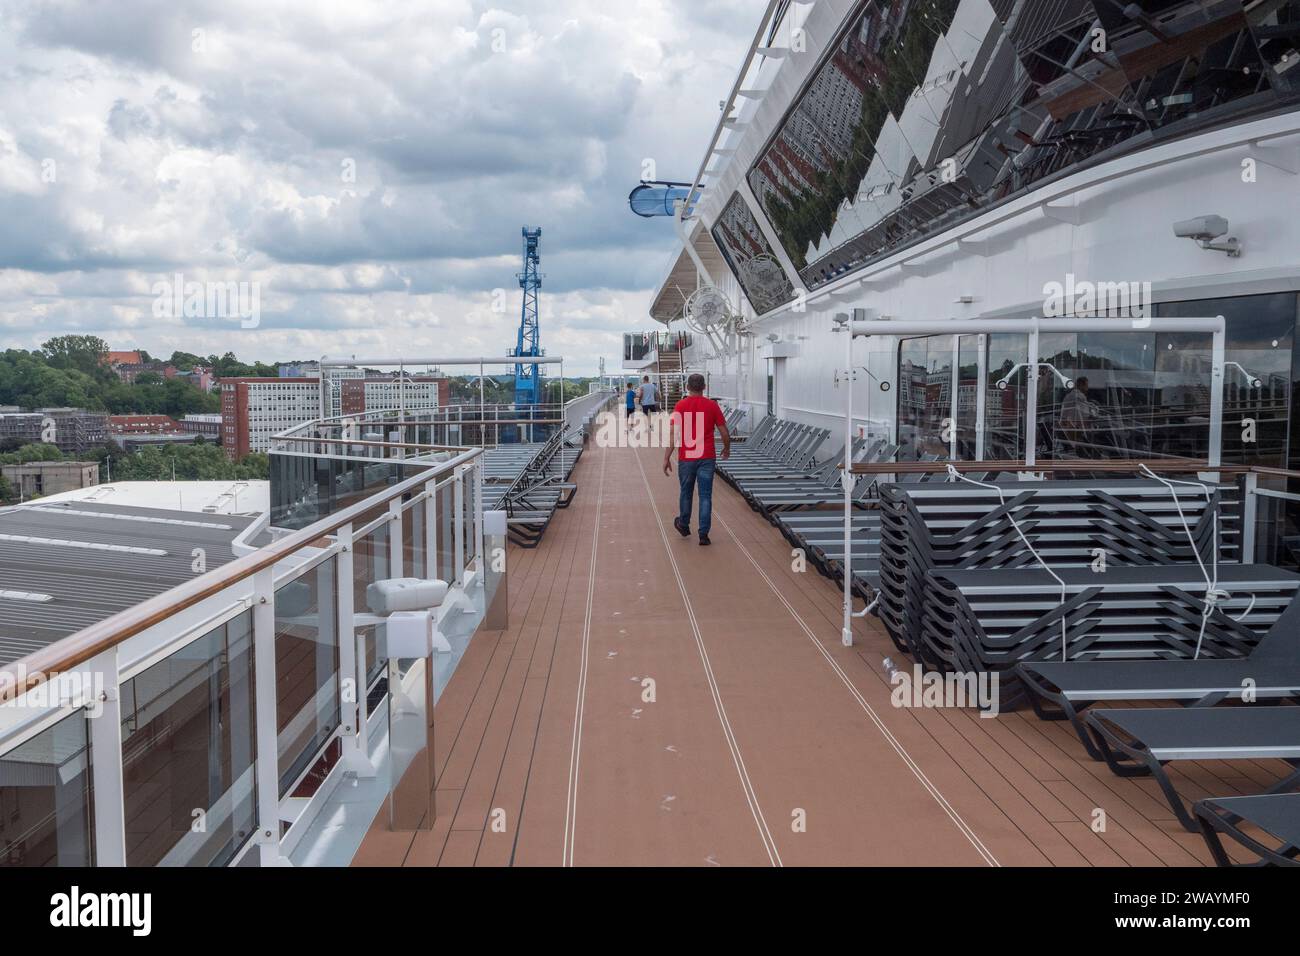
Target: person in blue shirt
{"x":631,"y":398}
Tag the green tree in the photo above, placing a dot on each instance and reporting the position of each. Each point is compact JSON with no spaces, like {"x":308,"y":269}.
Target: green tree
{"x":29,"y":453}
{"x":82,"y":352}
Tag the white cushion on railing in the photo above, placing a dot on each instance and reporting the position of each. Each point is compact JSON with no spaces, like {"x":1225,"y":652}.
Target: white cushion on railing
{"x":405,"y":594}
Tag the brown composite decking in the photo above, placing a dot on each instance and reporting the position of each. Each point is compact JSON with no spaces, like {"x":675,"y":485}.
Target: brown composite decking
{"x":768,"y":742}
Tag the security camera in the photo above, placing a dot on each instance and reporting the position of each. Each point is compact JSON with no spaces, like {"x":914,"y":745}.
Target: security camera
{"x":1202,"y":228}
{"x":1205,"y":230}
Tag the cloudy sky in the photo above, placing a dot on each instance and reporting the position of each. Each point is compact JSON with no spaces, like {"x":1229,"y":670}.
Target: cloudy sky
{"x":368,"y":163}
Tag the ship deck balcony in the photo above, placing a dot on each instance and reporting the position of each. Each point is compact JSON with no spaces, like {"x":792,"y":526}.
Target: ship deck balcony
{"x":648,"y":701}
{"x":653,"y":702}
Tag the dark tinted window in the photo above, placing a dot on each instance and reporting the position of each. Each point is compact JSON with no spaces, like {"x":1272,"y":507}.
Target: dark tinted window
{"x":924,"y":113}
{"x":750,"y":256}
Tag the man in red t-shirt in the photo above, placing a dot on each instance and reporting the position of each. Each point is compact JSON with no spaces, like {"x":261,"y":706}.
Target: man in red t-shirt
{"x":694,"y":418}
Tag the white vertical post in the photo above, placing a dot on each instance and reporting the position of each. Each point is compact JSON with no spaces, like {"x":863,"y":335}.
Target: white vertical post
{"x":268,"y":744}
{"x":1249,"y":515}
{"x":478,"y":520}
{"x":458,"y":523}
{"x":104,"y":730}
{"x":431,"y":529}
{"x":1217,"y":356}
{"x":1031,"y":398}
{"x":395,"y":539}
{"x":846,"y":480}
{"x":954,"y":377}
{"x":981,"y":393}
{"x":352,"y":665}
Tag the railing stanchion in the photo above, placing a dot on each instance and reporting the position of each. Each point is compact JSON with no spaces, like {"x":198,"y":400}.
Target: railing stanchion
{"x":478,"y":521}
{"x":458,"y":524}
{"x":352,"y":663}
{"x":268,"y":749}
{"x":431,"y":530}
{"x":396,"y":566}
{"x":104,"y":731}
{"x":1249,"y":515}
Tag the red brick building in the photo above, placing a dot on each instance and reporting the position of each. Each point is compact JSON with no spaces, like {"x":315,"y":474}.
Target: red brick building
{"x":142,"y":425}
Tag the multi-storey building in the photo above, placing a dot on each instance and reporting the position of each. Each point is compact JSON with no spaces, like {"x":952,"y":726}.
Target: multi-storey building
{"x":253,"y":410}
{"x":38,"y":478}
{"x":357,"y":395}
{"x":142,"y":425}
{"x":209,"y":426}
{"x":27,"y":428}
{"x":74,"y":430}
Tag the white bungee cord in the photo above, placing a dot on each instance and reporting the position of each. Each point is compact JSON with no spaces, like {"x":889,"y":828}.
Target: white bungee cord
{"x":1214,"y":595}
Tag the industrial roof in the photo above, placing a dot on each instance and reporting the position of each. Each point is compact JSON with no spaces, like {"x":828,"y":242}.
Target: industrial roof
{"x":66,"y":565}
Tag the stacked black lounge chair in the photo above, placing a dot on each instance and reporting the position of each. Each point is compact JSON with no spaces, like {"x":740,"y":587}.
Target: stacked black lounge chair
{"x":959,"y":525}
{"x":994,"y":620}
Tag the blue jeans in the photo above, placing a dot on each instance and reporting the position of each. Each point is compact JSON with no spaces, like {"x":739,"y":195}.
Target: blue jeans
{"x":690,"y":474}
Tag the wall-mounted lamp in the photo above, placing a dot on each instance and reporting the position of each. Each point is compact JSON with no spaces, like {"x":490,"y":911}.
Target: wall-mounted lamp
{"x":1205,"y":232}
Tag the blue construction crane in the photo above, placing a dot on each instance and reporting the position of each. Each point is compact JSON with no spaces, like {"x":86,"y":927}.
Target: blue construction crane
{"x":528,"y":378}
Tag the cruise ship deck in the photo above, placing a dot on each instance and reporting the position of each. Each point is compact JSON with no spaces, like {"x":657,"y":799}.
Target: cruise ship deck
{"x":767,"y":742}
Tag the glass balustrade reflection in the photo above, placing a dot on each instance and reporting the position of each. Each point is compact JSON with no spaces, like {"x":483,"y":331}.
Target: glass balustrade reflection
{"x":46,"y":814}
{"x":307,"y":667}
{"x":188,"y":745}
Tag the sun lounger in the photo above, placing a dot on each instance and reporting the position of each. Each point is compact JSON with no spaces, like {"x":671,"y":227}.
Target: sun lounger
{"x":1275,"y":814}
{"x":1137,"y":742}
{"x":1062,"y":691}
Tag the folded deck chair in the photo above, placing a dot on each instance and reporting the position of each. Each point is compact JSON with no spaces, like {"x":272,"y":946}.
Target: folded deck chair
{"x":1140,"y":741}
{"x":1277,"y":814}
{"x":1271,"y":670}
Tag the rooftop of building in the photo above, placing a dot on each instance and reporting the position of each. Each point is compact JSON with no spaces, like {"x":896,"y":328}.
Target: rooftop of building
{"x":70,"y":560}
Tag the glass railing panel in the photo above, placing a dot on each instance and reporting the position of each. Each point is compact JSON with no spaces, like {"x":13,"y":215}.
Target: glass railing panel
{"x":446,"y":498}
{"x":188,"y":747}
{"x":413,"y":541}
{"x":307,"y":667}
{"x":46,"y":814}
{"x":305,"y":489}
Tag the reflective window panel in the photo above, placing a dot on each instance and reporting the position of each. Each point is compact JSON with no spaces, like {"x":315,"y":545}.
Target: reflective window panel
{"x":749,"y":255}
{"x":925,"y":113}
{"x":307,"y":667}
{"x":188,"y":745}
{"x":45,"y":799}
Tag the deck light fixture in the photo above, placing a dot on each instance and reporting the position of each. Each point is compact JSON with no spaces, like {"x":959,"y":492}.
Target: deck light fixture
{"x":1205,"y":231}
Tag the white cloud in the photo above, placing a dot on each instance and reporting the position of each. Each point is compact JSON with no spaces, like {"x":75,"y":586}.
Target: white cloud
{"x":369,"y":163}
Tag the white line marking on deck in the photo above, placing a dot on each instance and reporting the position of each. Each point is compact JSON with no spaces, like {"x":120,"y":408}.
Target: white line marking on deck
{"x":769,"y":844}
{"x":893,"y":741}
{"x":575,"y":752}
